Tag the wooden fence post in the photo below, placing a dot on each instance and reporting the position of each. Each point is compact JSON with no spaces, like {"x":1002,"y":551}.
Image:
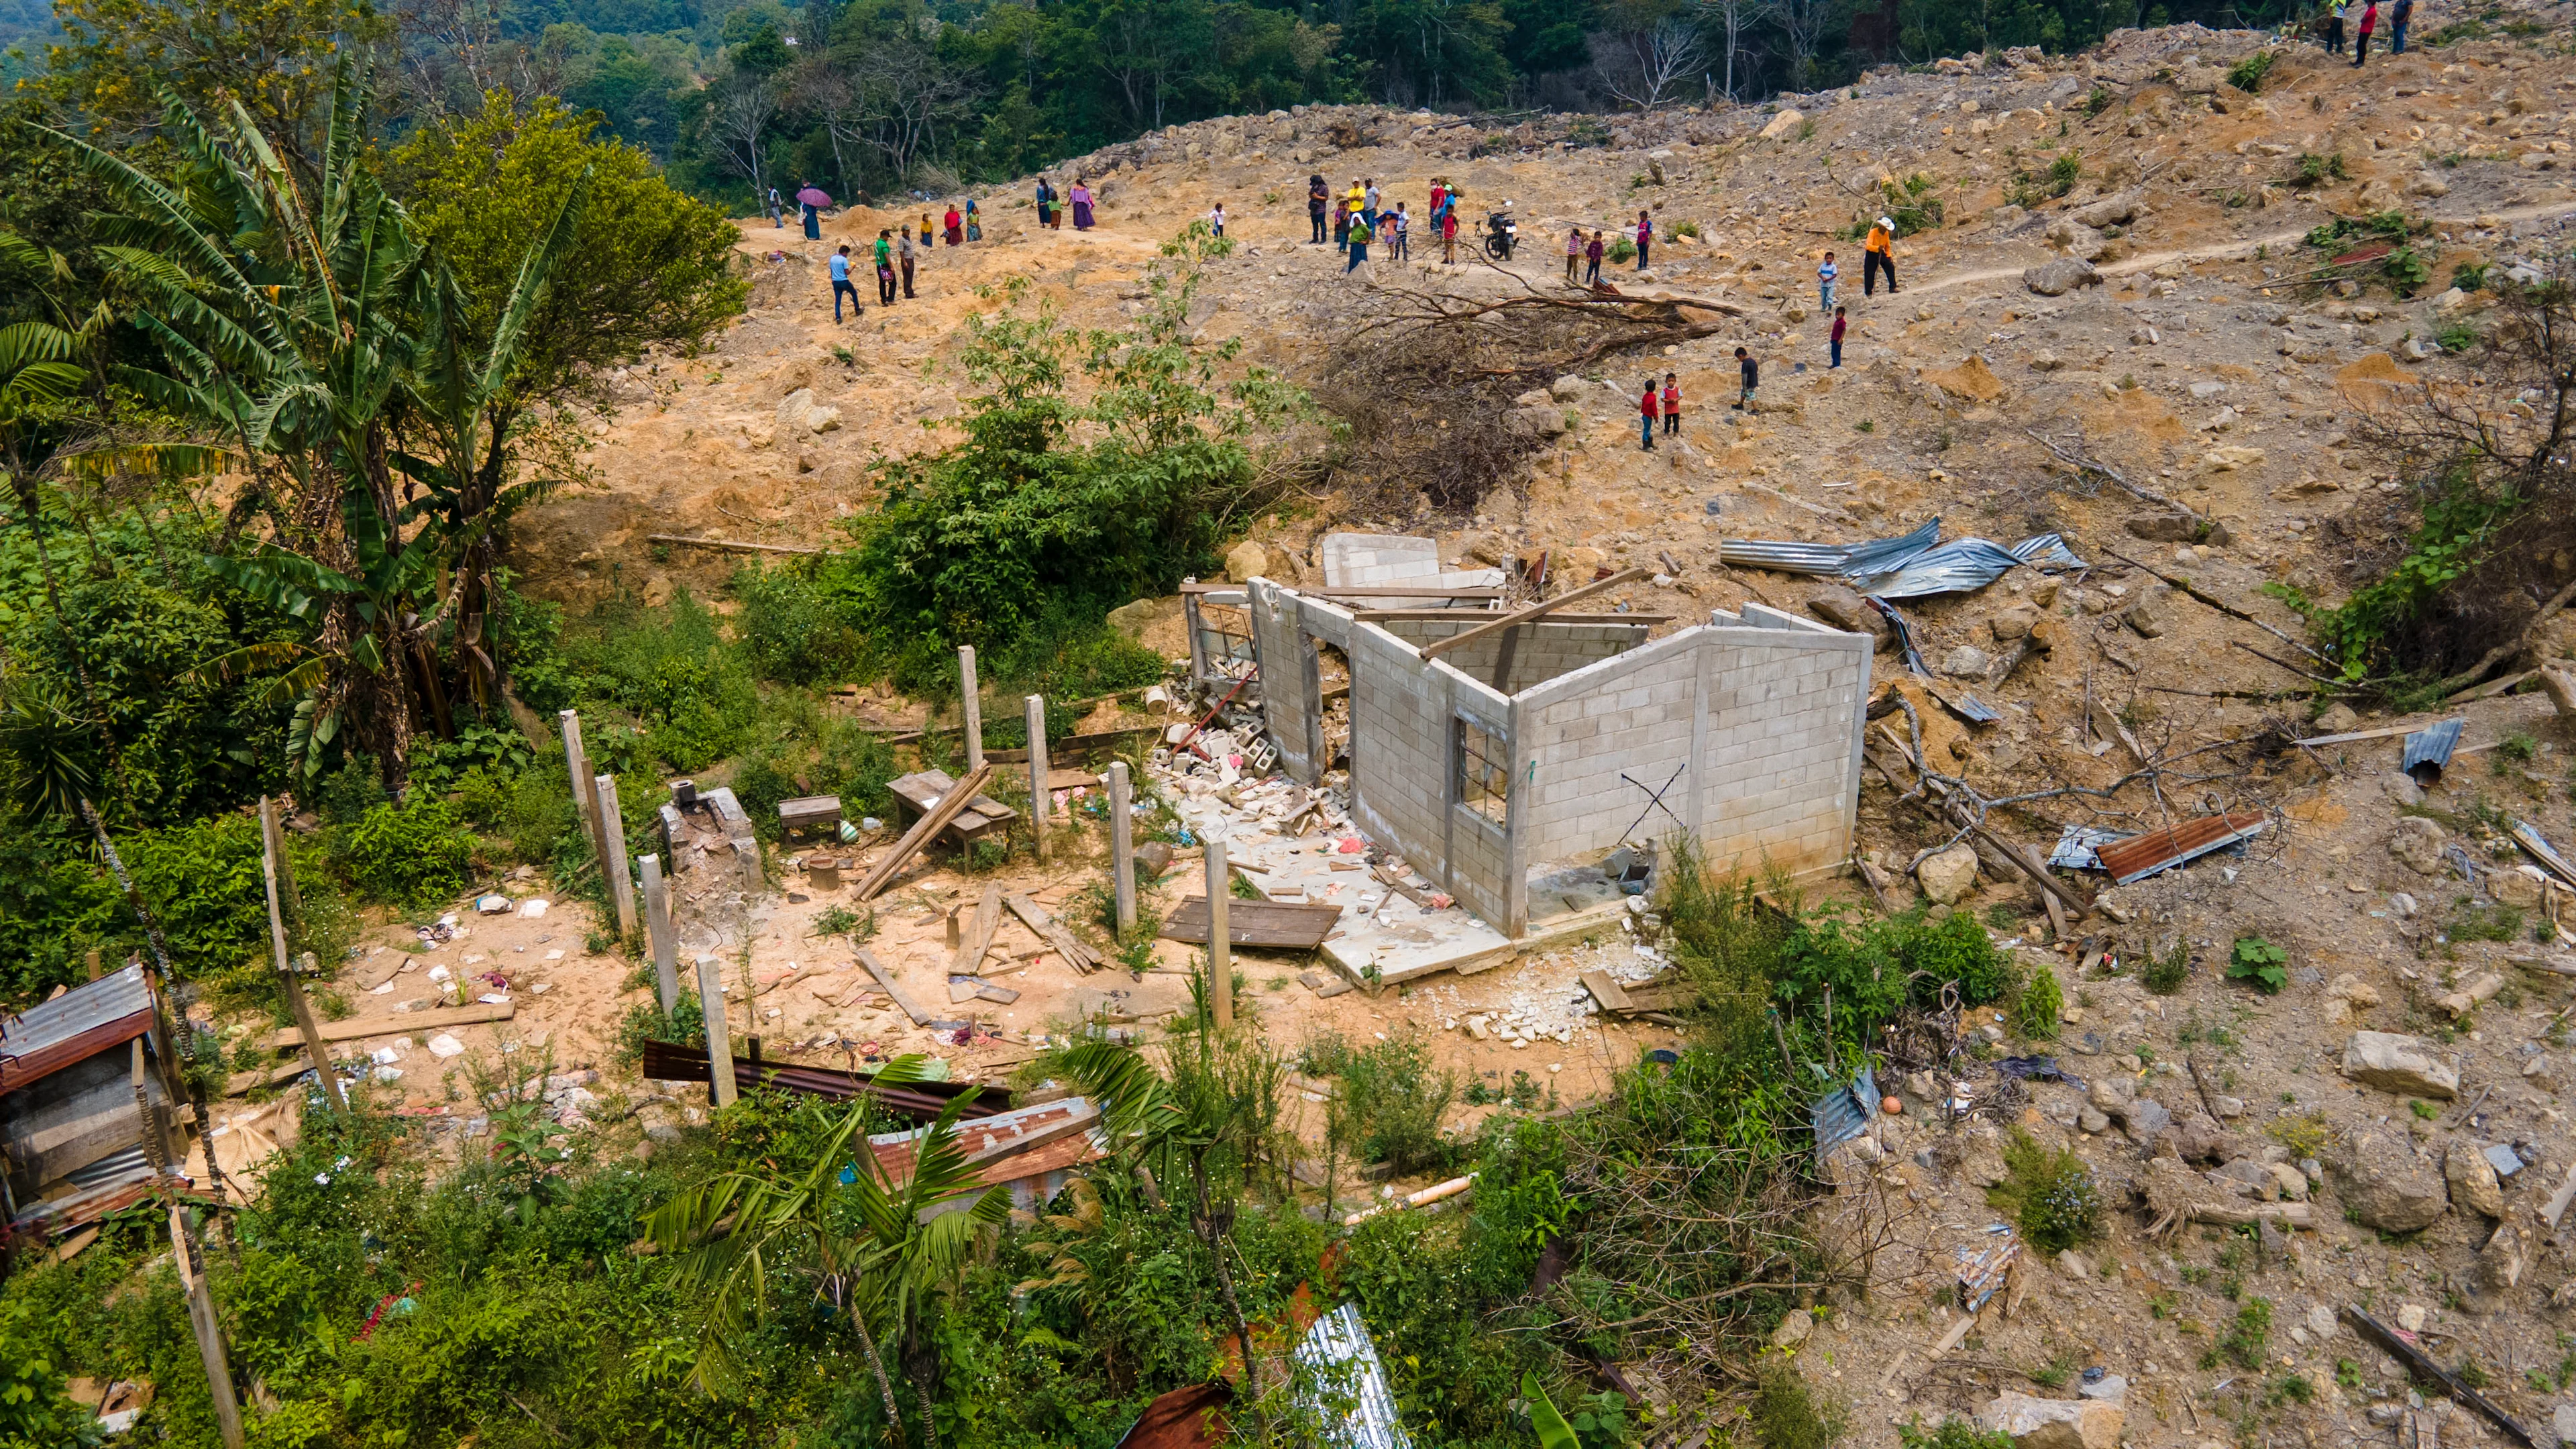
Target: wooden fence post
{"x":1035,"y":708}
{"x":1220,"y":890}
{"x":711,"y":1004}
{"x":612,"y":836}
{"x":202,"y":1321}
{"x":973,"y":704}
{"x":305,"y":1026}
{"x":1122,"y":844}
{"x":657,"y":925}
{"x":585,"y":797}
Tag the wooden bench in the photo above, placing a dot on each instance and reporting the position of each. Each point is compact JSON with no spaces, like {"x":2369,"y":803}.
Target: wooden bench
{"x":809,"y":812}
{"x":916,"y":793}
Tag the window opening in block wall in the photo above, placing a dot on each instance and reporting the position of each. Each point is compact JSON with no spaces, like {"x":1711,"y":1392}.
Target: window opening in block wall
{"x":1484,"y":770}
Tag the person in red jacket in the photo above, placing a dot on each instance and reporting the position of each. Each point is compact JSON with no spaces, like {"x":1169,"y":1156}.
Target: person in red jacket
{"x":1645,"y":236}
{"x":1672,"y":405}
{"x":1840,"y":321}
{"x":1646,"y":413}
{"x":2361,"y":43}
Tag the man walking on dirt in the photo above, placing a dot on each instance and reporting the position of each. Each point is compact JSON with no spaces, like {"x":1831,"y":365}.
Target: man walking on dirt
{"x":1878,"y":254}
{"x":2398,"y":20}
{"x":885,"y":267}
{"x":1318,"y":201}
{"x":841,"y":283}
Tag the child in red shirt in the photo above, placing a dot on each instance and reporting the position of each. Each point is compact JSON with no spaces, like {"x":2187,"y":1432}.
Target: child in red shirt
{"x":1646,"y":416}
{"x":1672,"y":405}
{"x":1449,"y":238}
{"x":1839,"y":321}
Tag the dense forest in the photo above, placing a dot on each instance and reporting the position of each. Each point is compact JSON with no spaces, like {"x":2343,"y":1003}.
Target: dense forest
{"x":869,"y":96}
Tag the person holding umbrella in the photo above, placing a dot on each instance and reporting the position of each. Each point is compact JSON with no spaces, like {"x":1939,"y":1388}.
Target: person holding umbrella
{"x":812,"y":203}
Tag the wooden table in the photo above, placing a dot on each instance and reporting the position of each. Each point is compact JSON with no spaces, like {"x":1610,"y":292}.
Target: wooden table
{"x":914,"y":794}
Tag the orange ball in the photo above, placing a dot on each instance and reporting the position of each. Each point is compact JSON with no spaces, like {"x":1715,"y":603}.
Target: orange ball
{"x":1893,"y":1107}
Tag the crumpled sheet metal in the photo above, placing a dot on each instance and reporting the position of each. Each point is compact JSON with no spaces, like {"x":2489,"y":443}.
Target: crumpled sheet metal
{"x":2076,"y":845}
{"x":1844,"y":1112}
{"x":1347,"y":1392}
{"x":1912,"y":566}
{"x":2428,"y":750}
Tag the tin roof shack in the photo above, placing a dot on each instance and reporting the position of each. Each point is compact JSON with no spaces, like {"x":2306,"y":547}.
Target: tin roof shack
{"x":703,"y":827}
{"x":1495,"y":766}
{"x":77,"y":1139}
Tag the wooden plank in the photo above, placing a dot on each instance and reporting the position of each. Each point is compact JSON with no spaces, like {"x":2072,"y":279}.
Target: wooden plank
{"x":404,"y":1024}
{"x":2421,"y":1364}
{"x":979,"y":934}
{"x":1076,"y":954}
{"x":807,"y":811}
{"x":725,"y":545}
{"x":929,"y":825}
{"x":885,"y":982}
{"x":1428,"y":589}
{"x":1255,"y":923}
{"x":1541,"y":609}
{"x":278,"y":1076}
{"x":1609,"y":993}
{"x":306,"y":1030}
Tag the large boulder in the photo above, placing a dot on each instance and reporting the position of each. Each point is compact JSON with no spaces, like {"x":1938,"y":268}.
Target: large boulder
{"x":2118,"y":209}
{"x":2173,"y":526}
{"x":2034,"y":1423}
{"x":2401,"y":1064}
{"x":2417,"y":842}
{"x":1948,"y":875}
{"x":2474,"y":1188}
{"x":1245,"y":561}
{"x":2080,"y":241}
{"x":1783,"y":124}
{"x":2064,"y":275}
{"x":799,"y":415}
{"x":1847,"y":611}
{"x":2385,"y":1185}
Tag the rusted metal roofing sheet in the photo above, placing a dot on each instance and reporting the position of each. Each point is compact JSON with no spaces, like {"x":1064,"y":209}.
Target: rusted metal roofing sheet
{"x":75,"y":1026}
{"x":1189,"y":1418}
{"x":2162,"y":850}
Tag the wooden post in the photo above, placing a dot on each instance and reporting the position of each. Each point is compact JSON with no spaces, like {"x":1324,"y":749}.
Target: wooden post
{"x":202,"y":1321}
{"x":577,"y":766}
{"x":305,"y":1026}
{"x":1220,"y":889}
{"x":657,"y":924}
{"x":1122,"y":845}
{"x":1035,"y":707}
{"x":612,"y":837}
{"x":973,"y":704}
{"x":273,"y":833}
{"x":711,"y":1004}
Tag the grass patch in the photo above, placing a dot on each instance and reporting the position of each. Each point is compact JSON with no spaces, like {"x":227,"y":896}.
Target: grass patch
{"x":2051,"y":1196}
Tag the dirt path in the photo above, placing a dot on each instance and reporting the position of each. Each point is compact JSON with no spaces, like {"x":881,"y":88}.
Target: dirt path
{"x":2242,"y":246}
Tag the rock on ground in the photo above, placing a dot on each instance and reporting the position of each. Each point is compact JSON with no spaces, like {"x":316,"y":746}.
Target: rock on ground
{"x":1948,"y":875}
{"x":2387,"y":1186}
{"x":2035,"y":1423}
{"x":2400,"y":1064}
{"x":2057,"y":278}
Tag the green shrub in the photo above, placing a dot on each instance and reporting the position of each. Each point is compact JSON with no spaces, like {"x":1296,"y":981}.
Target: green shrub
{"x":1621,"y":250}
{"x":2406,"y":270}
{"x":1393,"y":1096}
{"x":2315,"y":170}
{"x":2470,"y":276}
{"x":1951,"y":1433}
{"x":2164,"y":976}
{"x":2244,"y":1341}
{"x":799,"y":624}
{"x":2036,"y":1012}
{"x":1787,"y":1414}
{"x":418,"y":855}
{"x":2099,"y":101}
{"x":2456,"y":337}
{"x":2247,"y":74}
{"x":2259,"y":964}
{"x":2051,"y":1195}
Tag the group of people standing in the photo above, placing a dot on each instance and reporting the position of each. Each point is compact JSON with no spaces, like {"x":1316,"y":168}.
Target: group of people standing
{"x":896,"y":255}
{"x":1052,"y":203}
{"x":1360,"y":218}
{"x":1587,"y":252}
{"x":2400,"y":16}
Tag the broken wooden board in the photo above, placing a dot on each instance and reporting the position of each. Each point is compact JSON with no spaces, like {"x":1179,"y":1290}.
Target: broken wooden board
{"x":399,"y":1025}
{"x":1273,"y":924}
{"x":277,"y":1076}
{"x":919,"y":793}
{"x":979,"y":933}
{"x":1322,"y":985}
{"x":885,"y":981}
{"x":1068,"y":945}
{"x":1609,"y":993}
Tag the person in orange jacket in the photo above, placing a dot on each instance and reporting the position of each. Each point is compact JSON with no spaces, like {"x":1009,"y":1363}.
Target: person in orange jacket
{"x":1878,"y":254}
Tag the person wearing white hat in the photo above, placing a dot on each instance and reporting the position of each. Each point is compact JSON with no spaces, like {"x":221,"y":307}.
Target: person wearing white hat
{"x":1878,"y":255}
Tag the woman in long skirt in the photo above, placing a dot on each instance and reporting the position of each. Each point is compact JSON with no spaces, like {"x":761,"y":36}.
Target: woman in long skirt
{"x":974,"y":222}
{"x":1081,"y":205}
{"x":955,"y":226}
{"x":1046,"y":201}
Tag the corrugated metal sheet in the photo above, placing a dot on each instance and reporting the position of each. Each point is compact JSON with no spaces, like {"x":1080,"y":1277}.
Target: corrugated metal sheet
{"x":2541,"y":850}
{"x":80,"y":1023}
{"x":2077,"y":844}
{"x":2428,"y":750}
{"x":1912,"y":566}
{"x":1904,"y":635}
{"x":1346,"y":1391}
{"x":1843,"y":1113}
{"x":2162,"y":850}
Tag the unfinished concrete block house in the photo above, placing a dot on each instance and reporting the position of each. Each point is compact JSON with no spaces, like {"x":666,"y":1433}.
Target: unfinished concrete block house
{"x":1498,"y":765}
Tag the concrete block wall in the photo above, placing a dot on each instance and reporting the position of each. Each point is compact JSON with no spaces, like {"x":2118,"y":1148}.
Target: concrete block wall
{"x":1289,"y":682}
{"x":1404,"y":778}
{"x":1372,"y":560}
{"x":1634,"y":715}
{"x":1541,"y":652}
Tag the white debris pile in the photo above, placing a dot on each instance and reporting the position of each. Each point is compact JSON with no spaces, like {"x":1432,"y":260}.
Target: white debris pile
{"x":1542,"y":998}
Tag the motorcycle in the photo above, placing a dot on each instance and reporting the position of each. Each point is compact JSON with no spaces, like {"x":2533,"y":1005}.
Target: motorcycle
{"x":1501,"y":232}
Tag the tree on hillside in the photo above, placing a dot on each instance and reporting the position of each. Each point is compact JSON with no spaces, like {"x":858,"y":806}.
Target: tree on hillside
{"x":274,"y":57}
{"x":884,"y":85}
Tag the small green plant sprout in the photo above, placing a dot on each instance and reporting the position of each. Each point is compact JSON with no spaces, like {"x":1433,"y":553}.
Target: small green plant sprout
{"x":2259,"y":963}
{"x":2041,"y":1003}
{"x":2164,"y":976}
{"x":2423,"y":1110}
{"x":2244,"y":1341}
{"x":2099,"y":101}
{"x":2247,"y":74}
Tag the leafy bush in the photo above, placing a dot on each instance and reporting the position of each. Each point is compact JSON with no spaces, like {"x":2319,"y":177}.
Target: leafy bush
{"x":1394,"y":1097}
{"x":416,"y":855}
{"x":1787,"y":1414}
{"x":2165,"y":975}
{"x":2407,"y":270}
{"x":2463,"y":514}
{"x":2243,"y":1342}
{"x":1951,"y":1433}
{"x":2470,"y":276}
{"x":2456,"y":337}
{"x":1912,"y":204}
{"x":2036,"y":1011}
{"x":1621,"y":250}
{"x":2099,"y":101}
{"x":798,"y":628}
{"x":2260,"y":964}
{"x":2247,"y":74}
{"x":2051,"y":1195}
{"x":2315,"y":170}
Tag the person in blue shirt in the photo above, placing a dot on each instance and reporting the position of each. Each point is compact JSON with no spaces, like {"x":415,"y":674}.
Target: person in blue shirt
{"x":841,"y":283}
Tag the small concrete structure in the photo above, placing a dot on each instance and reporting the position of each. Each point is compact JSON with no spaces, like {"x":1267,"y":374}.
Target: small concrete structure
{"x":700,"y":827}
{"x":1496,"y":766}
{"x":1379,"y":560}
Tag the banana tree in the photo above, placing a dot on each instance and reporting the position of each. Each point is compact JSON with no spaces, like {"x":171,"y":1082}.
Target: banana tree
{"x":881,"y":1245}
